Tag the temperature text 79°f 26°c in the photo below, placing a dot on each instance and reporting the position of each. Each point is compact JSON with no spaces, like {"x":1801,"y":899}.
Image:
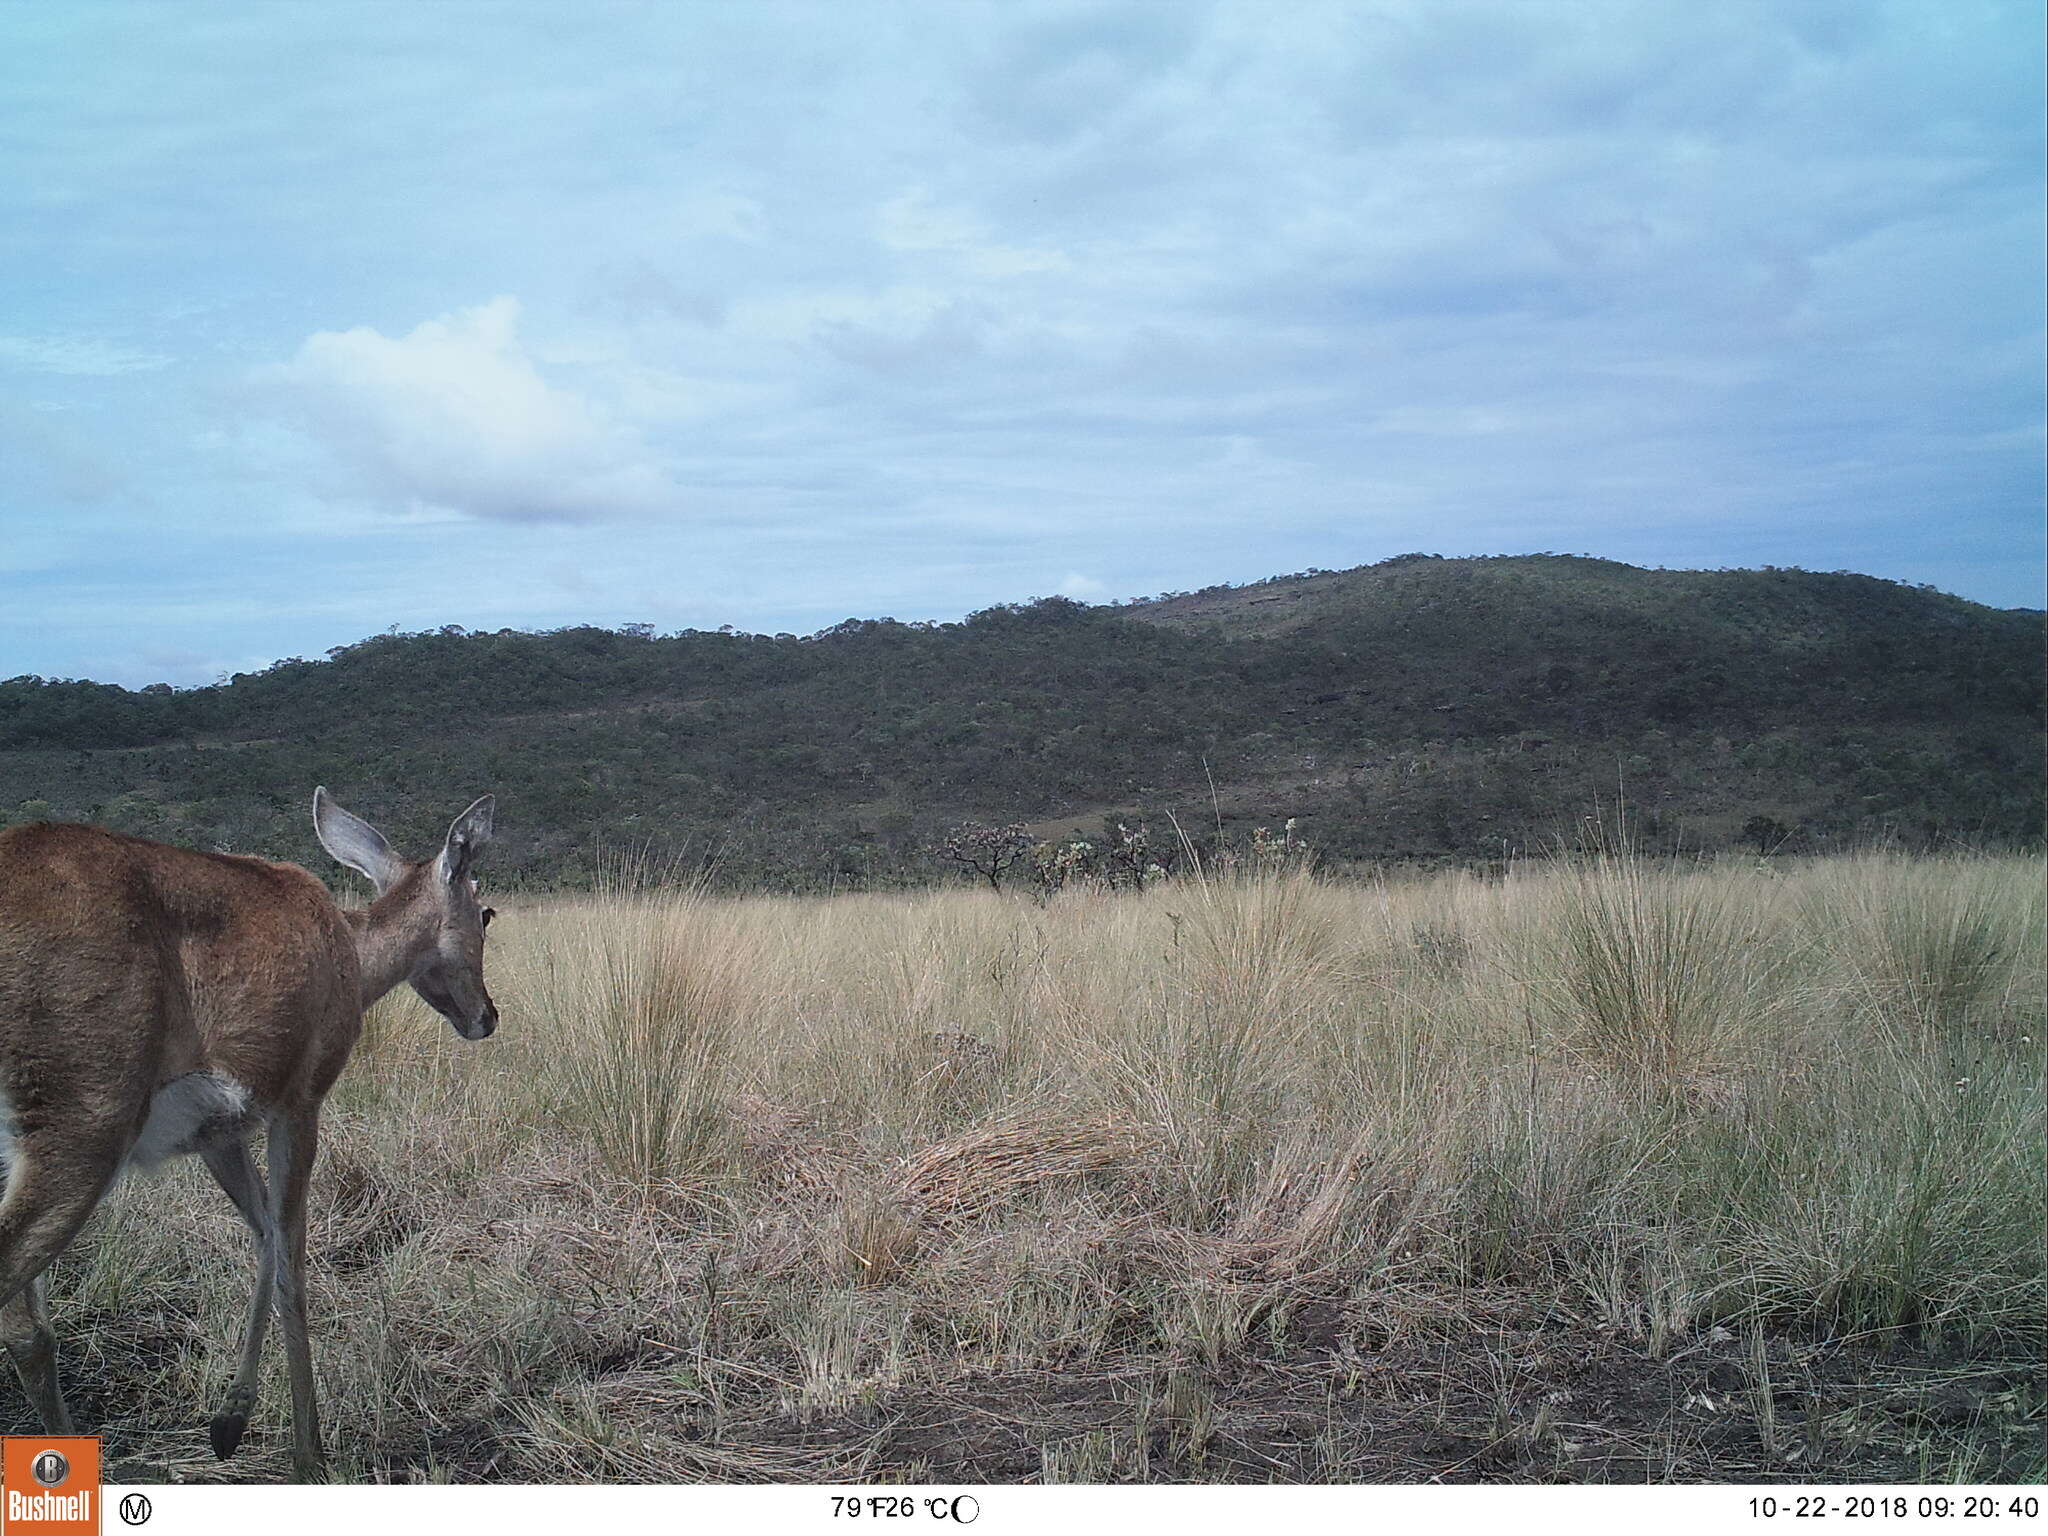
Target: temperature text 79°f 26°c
{"x":957,"y":1508}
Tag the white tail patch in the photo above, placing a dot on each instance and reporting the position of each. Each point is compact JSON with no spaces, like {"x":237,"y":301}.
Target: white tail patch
{"x":183,"y":1111}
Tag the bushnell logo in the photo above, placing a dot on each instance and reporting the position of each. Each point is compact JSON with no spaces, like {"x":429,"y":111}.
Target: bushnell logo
{"x":52,"y":1486}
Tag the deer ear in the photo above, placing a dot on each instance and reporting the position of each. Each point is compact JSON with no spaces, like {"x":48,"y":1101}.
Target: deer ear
{"x":354,"y":842}
{"x":466,"y":839}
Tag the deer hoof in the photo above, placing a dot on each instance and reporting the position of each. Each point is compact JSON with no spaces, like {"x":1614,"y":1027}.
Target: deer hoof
{"x":226,"y":1432}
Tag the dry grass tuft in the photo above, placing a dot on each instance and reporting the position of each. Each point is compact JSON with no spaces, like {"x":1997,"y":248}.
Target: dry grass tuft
{"x":986,"y":1169}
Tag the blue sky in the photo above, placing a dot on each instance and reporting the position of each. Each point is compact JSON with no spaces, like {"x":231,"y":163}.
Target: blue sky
{"x":317,"y":318}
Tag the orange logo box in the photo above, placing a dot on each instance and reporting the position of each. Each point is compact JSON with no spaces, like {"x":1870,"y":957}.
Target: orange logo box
{"x":51,"y":1485}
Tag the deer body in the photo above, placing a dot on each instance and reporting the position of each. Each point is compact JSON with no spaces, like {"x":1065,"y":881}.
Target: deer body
{"x":157,"y":1002}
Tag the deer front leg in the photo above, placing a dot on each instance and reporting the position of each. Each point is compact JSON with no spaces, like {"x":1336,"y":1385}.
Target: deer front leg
{"x":235,"y":1171}
{"x":294,"y":1139}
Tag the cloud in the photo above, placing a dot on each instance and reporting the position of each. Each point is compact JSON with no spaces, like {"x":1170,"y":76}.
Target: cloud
{"x":914,"y":299}
{"x":639,"y":290}
{"x":48,"y":458}
{"x":456,"y":415}
{"x":80,"y":356}
{"x":1055,"y":77}
{"x":912,"y":222}
{"x":1081,"y":588}
{"x":928,"y":345}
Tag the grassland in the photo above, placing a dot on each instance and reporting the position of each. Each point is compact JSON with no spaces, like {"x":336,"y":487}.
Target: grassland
{"x":1609,"y":1170}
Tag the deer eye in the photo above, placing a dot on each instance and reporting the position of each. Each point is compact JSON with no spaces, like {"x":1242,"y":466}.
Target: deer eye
{"x":489,"y":913}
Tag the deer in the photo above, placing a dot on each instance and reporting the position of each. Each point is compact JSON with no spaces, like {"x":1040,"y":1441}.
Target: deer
{"x":157,"y":1002}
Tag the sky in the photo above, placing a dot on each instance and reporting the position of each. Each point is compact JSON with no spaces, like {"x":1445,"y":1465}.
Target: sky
{"x":319,"y":318}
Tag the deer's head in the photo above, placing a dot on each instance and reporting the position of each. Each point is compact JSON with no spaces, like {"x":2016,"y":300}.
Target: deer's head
{"x":431,"y":908}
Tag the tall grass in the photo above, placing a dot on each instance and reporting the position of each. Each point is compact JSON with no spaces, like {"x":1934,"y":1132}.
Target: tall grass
{"x":1658,"y":976}
{"x":642,"y":994}
{"x":729,"y":1160}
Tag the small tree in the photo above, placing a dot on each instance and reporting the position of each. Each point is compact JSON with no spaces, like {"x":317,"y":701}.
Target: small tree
{"x":1134,"y":860}
{"x":1266,"y":852}
{"x":1767,"y":833}
{"x":988,"y":851}
{"x":1056,"y":865}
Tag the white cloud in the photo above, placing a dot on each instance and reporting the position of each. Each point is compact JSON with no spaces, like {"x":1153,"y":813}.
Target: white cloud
{"x":1081,"y":588}
{"x":912,"y":222}
{"x":457,"y":415}
{"x":81,"y":356}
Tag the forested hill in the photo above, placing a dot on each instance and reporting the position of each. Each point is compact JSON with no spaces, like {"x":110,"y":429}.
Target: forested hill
{"x":1421,"y":708}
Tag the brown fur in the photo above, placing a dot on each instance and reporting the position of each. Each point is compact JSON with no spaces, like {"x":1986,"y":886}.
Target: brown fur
{"x":103,"y":936}
{"x":127,"y":964}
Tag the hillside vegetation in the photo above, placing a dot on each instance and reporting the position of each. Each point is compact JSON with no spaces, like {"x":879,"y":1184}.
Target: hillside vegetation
{"x":1453,"y":711}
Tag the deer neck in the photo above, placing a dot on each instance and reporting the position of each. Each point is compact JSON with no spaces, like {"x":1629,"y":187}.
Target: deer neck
{"x":392,"y":935}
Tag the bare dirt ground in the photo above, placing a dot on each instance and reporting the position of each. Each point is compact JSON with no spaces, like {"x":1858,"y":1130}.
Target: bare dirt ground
{"x":1535,"y":1395}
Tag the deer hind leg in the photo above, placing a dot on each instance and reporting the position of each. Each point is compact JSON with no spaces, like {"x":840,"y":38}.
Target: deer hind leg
{"x":48,"y":1199}
{"x":229,"y":1162}
{"x":25,"y":1328}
